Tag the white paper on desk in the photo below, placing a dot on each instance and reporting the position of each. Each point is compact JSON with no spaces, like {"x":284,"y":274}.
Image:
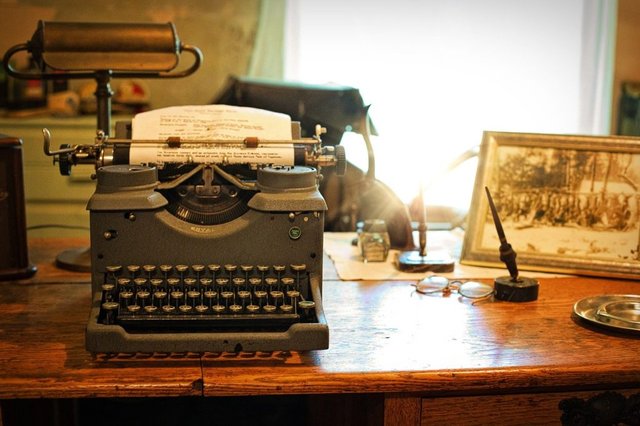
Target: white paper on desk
{"x":350,"y":267}
{"x":211,"y":122}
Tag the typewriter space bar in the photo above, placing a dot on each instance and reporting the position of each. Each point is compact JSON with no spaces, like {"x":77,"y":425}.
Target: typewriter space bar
{"x":196,"y":323}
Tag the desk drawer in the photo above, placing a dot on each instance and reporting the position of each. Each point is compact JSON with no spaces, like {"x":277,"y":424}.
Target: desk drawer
{"x":529,"y":409}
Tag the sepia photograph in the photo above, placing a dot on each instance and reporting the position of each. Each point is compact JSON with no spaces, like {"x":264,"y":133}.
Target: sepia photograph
{"x":567,"y":203}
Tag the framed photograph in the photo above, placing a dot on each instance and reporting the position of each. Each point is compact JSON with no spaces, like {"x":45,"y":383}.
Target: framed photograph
{"x":568,"y":204}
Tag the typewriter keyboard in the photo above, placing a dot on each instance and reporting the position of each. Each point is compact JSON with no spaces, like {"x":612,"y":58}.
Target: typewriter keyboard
{"x":168,"y":297}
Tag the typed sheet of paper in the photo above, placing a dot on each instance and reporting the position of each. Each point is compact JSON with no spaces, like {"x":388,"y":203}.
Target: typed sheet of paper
{"x":211,"y":123}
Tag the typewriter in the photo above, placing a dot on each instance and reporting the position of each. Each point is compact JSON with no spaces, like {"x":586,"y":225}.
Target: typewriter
{"x":204,"y":255}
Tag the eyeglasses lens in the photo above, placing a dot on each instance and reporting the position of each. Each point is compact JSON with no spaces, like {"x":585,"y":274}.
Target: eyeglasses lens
{"x":432,"y":284}
{"x":475,"y":290}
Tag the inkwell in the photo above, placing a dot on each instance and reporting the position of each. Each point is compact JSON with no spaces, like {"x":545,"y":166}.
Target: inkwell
{"x":419,"y":260}
{"x":513,"y":288}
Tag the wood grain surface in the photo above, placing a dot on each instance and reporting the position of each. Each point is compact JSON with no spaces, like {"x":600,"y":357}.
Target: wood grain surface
{"x":384,"y":338}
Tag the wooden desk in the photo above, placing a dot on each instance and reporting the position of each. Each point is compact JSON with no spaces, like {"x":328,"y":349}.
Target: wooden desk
{"x":395,"y":355}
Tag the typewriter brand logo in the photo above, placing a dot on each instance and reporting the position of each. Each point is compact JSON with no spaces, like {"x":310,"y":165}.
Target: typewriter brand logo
{"x":201,"y":229}
{"x":295,"y":232}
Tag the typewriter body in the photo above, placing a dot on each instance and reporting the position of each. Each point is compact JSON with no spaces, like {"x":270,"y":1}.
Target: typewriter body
{"x":205,"y":257}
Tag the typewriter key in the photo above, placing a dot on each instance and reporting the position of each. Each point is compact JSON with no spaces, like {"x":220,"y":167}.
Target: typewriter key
{"x":218,"y":308}
{"x":293,"y":294}
{"x":263,"y":269}
{"x":140,"y":282}
{"x":277,"y":294}
{"x":126,"y":294}
{"x":190,"y":281}
{"x":185,"y":309}
{"x":182,"y":268}
{"x":269,"y":308}
{"x":156,"y":282}
{"x":243,"y":294}
{"x":107,"y":287}
{"x":166,"y":268}
{"x":205,"y":282}
{"x":201,"y":308}
{"x":133,"y":268}
{"x":123,"y":282}
{"x":271,"y":281}
{"x":210,"y":294}
{"x":193,"y":294}
{"x":110,"y":306}
{"x":149,"y":268}
{"x":133,"y":308}
{"x":288,"y":281}
{"x":246,"y":268}
{"x":253,"y":308}
{"x":299,"y":268}
{"x":168,"y":308}
{"x":213,"y":268}
{"x":260,"y":294}
{"x":239,"y":281}
{"x":173,"y":281}
{"x":114,"y":268}
{"x":143,"y":294}
{"x":197,"y":268}
{"x":221,"y":282}
{"x":235,"y":308}
{"x":150,"y":309}
{"x":160,"y":294}
{"x":286,"y":308}
{"x":306,"y":304}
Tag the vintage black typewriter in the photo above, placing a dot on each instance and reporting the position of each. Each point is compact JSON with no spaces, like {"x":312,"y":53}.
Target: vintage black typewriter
{"x":217,"y":245}
{"x":205,"y":256}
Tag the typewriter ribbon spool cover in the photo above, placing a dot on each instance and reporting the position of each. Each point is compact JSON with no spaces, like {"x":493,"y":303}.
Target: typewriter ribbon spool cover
{"x":207,"y":256}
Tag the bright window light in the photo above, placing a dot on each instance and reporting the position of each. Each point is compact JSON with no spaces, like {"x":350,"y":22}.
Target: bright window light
{"x":439,"y":73}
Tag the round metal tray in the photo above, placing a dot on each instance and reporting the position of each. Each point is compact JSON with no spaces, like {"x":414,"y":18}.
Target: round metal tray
{"x":615,"y":311}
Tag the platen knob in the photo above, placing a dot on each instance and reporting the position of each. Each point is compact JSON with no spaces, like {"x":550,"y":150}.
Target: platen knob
{"x":64,"y":161}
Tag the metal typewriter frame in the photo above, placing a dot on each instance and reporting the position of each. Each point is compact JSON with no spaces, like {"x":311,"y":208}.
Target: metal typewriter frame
{"x":127,"y":206}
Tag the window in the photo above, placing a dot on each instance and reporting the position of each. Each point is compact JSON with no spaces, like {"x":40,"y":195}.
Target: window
{"x":439,"y":73}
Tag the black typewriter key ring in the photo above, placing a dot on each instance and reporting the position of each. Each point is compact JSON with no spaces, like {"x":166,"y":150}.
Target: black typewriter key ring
{"x":149,"y":269}
{"x":113,"y":270}
{"x":111,"y":309}
{"x":198,"y":269}
{"x":133,"y":270}
{"x":272,"y":284}
{"x":288,"y":283}
{"x":306,"y":306}
{"x":254,"y":283}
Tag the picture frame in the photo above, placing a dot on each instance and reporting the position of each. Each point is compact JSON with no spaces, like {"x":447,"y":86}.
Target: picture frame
{"x":567,"y":203}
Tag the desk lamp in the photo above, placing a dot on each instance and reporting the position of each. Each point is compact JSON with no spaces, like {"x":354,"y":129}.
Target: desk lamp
{"x":100,"y":51}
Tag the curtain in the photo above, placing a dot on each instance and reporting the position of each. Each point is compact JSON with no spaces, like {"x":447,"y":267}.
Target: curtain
{"x":598,"y":49}
{"x":267,"y":60}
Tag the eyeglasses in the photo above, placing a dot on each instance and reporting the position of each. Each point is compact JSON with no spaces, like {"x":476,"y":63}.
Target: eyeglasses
{"x":469,"y":289}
